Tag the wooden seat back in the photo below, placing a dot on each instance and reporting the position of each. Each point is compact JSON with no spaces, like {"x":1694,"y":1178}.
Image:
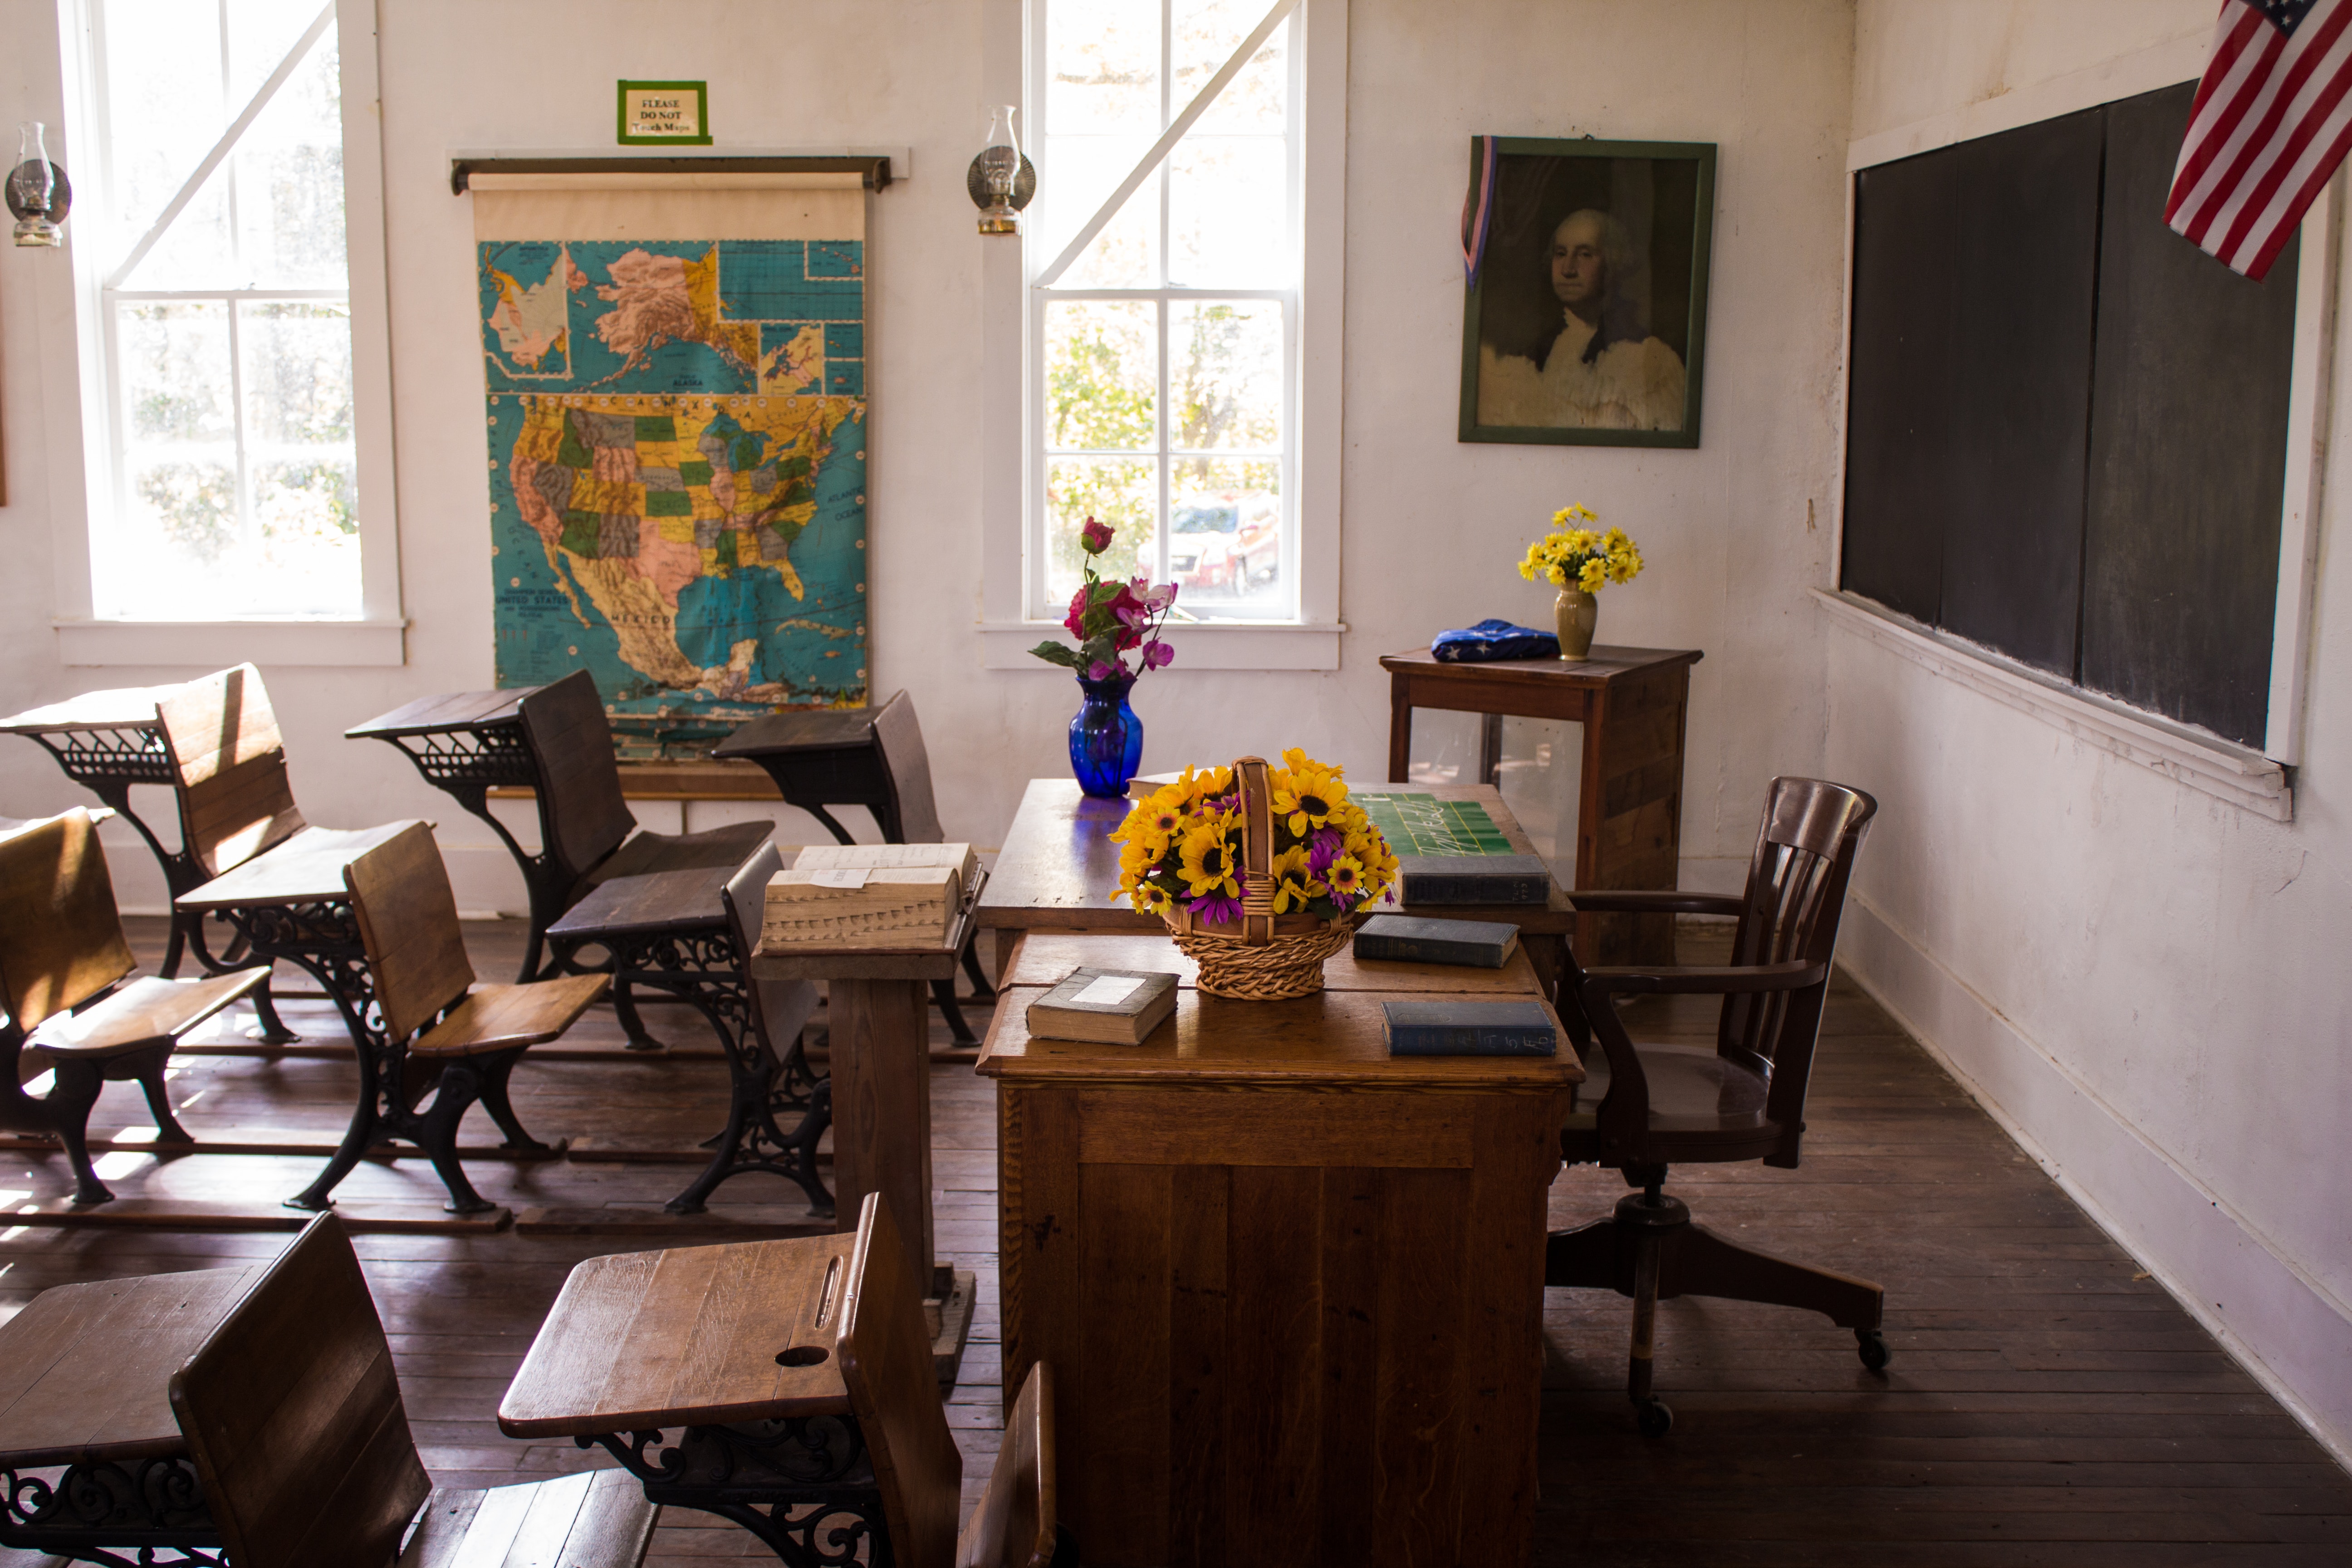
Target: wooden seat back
{"x":60,"y":937}
{"x":894,"y":1391}
{"x":781,"y":1008}
{"x":229,"y":765}
{"x":294,"y":1419}
{"x":1805,"y":851}
{"x":583,"y":818}
{"x":899,"y":738}
{"x":1015,"y":1525}
{"x":408,"y":923}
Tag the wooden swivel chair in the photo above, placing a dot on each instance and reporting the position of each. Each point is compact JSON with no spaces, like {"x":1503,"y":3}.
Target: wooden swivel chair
{"x":293,"y":1416}
{"x":587,"y":834}
{"x":444,"y":1032}
{"x":872,"y":757}
{"x":62,"y":963}
{"x":1644,"y":1108}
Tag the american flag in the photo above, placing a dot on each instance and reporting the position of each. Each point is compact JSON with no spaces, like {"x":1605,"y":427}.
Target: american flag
{"x":2271,"y":121}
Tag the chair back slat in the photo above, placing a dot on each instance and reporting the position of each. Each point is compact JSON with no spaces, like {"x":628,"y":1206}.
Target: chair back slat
{"x":294,"y":1419}
{"x":1015,"y":1525}
{"x":408,"y":923}
{"x":1796,"y":885}
{"x":900,"y":738}
{"x":894,"y":1391}
{"x":583,"y":818}
{"x":781,"y":1008}
{"x":60,"y":938}
{"x":229,"y":761}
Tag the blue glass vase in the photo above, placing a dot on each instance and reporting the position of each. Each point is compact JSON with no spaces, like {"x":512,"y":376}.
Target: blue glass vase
{"x":1106,"y":737}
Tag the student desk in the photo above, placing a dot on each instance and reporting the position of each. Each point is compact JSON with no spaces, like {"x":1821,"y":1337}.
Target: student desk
{"x":1291,"y":1288}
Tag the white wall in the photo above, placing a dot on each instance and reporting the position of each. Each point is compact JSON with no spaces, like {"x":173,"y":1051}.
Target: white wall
{"x":2148,"y":984}
{"x":1732,"y":531}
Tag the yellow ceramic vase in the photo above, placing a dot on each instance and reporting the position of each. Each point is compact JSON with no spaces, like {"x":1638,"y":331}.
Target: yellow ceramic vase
{"x":1576,"y":612}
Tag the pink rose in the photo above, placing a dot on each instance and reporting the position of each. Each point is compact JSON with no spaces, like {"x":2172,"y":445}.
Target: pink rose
{"x":1077,"y":619}
{"x":1095,"y":538}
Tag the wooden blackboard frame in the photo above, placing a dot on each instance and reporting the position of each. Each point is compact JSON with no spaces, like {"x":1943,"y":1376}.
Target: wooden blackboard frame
{"x":1701,"y":155}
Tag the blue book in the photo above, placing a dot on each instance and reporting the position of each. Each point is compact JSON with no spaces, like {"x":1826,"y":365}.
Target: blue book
{"x":1410,"y":939}
{"x":1456,"y":1028}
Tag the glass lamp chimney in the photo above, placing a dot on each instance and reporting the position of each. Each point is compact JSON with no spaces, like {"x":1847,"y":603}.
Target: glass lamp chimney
{"x":33,"y":189}
{"x":1000,"y":166}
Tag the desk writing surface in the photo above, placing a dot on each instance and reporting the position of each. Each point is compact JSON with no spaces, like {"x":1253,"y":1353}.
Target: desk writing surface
{"x":689,"y":1336}
{"x":122,"y":707}
{"x":652,"y":902}
{"x":85,"y":1371}
{"x":449,"y":710}
{"x":306,"y":868}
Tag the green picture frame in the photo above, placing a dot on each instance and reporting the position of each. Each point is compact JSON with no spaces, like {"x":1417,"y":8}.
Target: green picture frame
{"x":1599,"y":248}
{"x":700,"y":90}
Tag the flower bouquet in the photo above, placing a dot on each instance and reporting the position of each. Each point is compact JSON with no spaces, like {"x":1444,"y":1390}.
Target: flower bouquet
{"x":1110,"y":618}
{"x":1580,"y":561}
{"x":1259,"y":872}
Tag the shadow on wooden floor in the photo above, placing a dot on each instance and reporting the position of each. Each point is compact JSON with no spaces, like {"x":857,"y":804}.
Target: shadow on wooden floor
{"x":2048,"y":1404}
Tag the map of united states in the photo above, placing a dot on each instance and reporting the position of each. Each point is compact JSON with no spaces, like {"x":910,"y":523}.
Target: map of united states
{"x":677,"y":472}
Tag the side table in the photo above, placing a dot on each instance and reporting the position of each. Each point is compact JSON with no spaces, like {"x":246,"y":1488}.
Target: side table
{"x":1632,"y":703}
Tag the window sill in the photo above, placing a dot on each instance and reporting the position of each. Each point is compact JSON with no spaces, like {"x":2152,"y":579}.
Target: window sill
{"x":1005,"y":644}
{"x":2239,"y":775}
{"x":215,"y":645}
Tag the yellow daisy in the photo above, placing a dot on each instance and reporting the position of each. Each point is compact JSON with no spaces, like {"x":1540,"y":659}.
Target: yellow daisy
{"x":1595,"y":575}
{"x":1345,"y":877}
{"x":1151,"y":899}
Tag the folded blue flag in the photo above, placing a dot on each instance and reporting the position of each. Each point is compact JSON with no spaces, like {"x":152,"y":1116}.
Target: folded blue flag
{"x":1490,"y":640}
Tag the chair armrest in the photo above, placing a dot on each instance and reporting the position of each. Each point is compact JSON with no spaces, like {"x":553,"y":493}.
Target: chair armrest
{"x":1705,"y":980}
{"x":1665,"y":902}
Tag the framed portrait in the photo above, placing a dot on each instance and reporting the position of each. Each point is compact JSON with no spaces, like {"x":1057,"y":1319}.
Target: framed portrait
{"x":1585,"y":322}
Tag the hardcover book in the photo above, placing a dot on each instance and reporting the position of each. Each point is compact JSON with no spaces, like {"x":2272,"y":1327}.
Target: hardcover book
{"x":1410,"y":939}
{"x":868,"y":895}
{"x":1105,"y":1006}
{"x":1474,"y":879}
{"x":1454,"y":1028}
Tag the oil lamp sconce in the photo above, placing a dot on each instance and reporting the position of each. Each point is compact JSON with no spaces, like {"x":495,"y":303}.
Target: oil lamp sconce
{"x":1001,"y":180}
{"x":37,"y":192}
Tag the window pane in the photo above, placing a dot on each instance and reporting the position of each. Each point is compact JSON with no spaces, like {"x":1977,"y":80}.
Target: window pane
{"x":1204,"y":34}
{"x":1083,"y":171}
{"x":1121,"y":492}
{"x":178,"y":413}
{"x":1229,"y":214}
{"x":164,"y":111}
{"x":1225,"y":375}
{"x":1102,"y":374}
{"x":1102,"y":70}
{"x":259,"y":34}
{"x":289,"y":184}
{"x":1224,"y":536}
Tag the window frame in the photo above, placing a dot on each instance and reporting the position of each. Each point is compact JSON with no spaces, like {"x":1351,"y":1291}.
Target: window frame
{"x":1015,"y":613}
{"x":86,"y":448}
{"x":2115,"y":725}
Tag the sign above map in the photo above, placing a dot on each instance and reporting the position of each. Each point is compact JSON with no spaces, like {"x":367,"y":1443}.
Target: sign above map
{"x":665,"y":113}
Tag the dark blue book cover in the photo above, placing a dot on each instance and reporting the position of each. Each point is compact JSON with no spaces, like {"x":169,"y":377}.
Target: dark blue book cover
{"x":1456,"y":1029}
{"x":1473,"y":879}
{"x":1413,"y":938}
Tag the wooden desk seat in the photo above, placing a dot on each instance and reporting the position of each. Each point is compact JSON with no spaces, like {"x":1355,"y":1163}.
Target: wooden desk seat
{"x":1015,"y":1525}
{"x":509,"y":1017}
{"x":62,"y":949}
{"x":294,"y":1419}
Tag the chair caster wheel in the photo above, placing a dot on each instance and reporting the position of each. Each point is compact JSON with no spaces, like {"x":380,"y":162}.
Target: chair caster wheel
{"x":1870,"y":1345}
{"x":1654,"y":1418}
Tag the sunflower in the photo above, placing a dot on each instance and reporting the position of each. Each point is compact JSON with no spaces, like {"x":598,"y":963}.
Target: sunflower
{"x":1207,"y":862}
{"x":1306,"y":794}
{"x":1151,"y":899}
{"x":1293,"y":885}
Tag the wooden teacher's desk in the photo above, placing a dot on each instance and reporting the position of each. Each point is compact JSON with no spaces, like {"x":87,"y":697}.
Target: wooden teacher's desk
{"x":1631,"y":703}
{"x":1291,"y":1288}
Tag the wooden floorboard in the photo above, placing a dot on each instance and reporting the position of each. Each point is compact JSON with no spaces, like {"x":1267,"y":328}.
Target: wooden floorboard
{"x":2048,"y":1403}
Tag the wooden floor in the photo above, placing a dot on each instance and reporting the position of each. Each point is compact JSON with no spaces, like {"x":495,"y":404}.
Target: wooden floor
{"x":2047,"y":1404}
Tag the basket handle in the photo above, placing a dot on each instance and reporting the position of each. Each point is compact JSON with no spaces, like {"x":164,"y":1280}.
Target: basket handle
{"x":1257,"y":852}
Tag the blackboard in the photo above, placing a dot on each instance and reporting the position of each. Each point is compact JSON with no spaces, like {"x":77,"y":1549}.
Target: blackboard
{"x":2066,"y":427}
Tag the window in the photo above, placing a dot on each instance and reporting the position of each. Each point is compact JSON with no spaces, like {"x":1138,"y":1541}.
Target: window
{"x":225,"y":480}
{"x":1167,"y":391}
{"x":2069,"y":432}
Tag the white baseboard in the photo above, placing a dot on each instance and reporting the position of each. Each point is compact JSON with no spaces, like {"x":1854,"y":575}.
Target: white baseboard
{"x":2286,"y":1328}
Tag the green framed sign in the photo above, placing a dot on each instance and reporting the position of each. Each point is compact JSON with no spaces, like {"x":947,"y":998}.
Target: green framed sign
{"x":664,"y":114}
{"x":1585,"y":318}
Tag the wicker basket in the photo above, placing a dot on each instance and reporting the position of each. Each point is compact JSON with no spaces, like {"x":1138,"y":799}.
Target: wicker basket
{"x":1262,"y":956}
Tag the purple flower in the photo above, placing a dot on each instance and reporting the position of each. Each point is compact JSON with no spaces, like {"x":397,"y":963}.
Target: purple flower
{"x":1157,"y":653}
{"x":1216,"y":908}
{"x":1323,"y":847}
{"x":1103,"y":670}
{"x":1160,"y":598}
